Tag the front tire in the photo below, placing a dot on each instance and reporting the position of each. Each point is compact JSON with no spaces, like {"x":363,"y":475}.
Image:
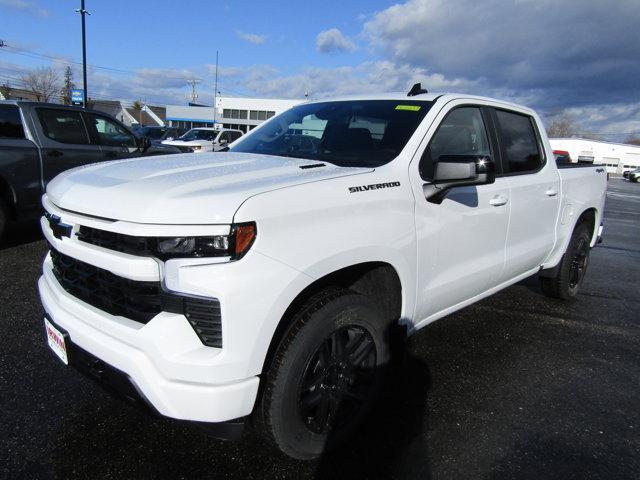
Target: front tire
{"x":568,"y":279}
{"x":326,"y":374}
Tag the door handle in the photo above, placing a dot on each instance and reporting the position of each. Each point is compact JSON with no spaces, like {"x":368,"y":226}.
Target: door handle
{"x":498,"y":200}
{"x":55,"y":153}
{"x":551,"y":192}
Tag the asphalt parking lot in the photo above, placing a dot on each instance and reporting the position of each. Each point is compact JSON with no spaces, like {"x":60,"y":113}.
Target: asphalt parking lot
{"x":516,"y":386}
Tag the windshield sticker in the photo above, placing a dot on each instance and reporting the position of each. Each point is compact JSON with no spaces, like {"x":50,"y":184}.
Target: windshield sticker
{"x":411,"y":108}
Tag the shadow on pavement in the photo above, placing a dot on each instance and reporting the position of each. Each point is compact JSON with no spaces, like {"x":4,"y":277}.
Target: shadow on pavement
{"x":21,"y":233}
{"x":392,"y":443}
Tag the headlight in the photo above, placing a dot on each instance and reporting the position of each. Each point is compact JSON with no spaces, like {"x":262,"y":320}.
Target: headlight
{"x":234,"y":245}
{"x":195,"y":149}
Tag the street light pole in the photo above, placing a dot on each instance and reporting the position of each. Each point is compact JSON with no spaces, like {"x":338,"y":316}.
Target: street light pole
{"x":215,"y":94}
{"x":82,"y":11}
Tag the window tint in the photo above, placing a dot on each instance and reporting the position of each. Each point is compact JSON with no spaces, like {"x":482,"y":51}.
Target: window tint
{"x":462,"y":132}
{"x":10,"y":122}
{"x":234,"y":136}
{"x":63,"y":126}
{"x":110,"y":133}
{"x":224,"y":136}
{"x":519,"y":142}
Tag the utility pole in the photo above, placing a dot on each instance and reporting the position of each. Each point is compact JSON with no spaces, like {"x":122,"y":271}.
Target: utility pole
{"x":215,"y":94}
{"x":194,"y":96}
{"x":82,"y":11}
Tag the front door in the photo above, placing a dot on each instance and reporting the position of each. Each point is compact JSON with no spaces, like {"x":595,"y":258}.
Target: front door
{"x":114,"y":139}
{"x":461,"y":241}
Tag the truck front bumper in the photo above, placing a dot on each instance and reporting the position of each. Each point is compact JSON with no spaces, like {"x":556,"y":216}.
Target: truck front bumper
{"x":172,"y":372}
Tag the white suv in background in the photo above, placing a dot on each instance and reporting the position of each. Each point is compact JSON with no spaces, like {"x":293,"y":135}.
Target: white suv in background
{"x":200,"y":140}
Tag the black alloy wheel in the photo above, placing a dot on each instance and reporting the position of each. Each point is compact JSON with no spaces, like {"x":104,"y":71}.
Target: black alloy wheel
{"x":579,"y":263}
{"x":337,"y":379}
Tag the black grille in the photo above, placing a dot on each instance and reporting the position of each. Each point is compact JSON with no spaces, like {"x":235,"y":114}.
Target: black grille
{"x":142,"y":246}
{"x":184,"y":149}
{"x":139,"y":301}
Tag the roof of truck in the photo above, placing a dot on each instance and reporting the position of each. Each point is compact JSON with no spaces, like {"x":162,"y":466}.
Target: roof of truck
{"x":424,"y":97}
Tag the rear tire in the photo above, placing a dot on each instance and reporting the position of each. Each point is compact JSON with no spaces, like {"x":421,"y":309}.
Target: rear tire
{"x":573,"y":267}
{"x":326,"y":374}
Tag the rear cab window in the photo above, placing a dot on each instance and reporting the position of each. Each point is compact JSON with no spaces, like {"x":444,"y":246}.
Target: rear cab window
{"x":64,"y":126}
{"x":520,"y":143}
{"x":10,"y":122}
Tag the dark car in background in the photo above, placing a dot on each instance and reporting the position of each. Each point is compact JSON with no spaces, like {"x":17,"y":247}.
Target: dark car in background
{"x":40,"y":140}
{"x":157,"y":134}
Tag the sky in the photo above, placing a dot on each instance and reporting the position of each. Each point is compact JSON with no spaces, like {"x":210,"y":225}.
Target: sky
{"x":575,"y":56}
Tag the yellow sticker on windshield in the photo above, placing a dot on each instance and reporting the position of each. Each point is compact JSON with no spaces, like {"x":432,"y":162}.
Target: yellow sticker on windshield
{"x":411,"y":108}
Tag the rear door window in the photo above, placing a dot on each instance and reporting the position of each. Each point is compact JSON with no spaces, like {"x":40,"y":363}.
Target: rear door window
{"x":10,"y":122}
{"x":64,"y":126}
{"x":519,"y":141}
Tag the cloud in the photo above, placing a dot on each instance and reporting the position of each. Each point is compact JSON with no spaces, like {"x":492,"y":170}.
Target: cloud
{"x":322,"y":82}
{"x":557,"y":53}
{"x":334,"y":41}
{"x":252,"y":37}
{"x":26,"y":6}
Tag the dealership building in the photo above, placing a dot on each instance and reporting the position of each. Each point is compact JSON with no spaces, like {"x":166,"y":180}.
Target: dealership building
{"x":231,"y":112}
{"x":617,"y":157}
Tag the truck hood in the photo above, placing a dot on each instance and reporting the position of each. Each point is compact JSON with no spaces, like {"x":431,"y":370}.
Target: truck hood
{"x":182,"y":188}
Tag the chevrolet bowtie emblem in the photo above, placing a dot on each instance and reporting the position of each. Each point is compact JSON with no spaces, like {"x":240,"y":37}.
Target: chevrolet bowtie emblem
{"x":58,"y":228}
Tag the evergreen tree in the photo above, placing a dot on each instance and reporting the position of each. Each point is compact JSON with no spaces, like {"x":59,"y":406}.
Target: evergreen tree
{"x":69,"y":84}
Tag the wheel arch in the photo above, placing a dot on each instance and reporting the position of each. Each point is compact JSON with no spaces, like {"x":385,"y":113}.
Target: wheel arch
{"x":7,"y":195}
{"x":377,"y":280}
{"x":590,"y":216}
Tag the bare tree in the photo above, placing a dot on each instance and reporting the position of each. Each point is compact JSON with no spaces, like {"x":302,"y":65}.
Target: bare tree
{"x":67,"y":85}
{"x":43,"y":82}
{"x":633,"y":139}
{"x":562,"y":125}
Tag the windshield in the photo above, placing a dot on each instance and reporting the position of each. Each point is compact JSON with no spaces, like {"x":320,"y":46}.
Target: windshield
{"x":359,"y":133}
{"x":153,"y":133}
{"x":197,"y":134}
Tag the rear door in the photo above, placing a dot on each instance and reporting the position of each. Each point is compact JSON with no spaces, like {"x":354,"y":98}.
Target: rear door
{"x":64,"y":141}
{"x":461,"y":241}
{"x":535,"y":192}
{"x":115,"y":140}
{"x":19,"y":162}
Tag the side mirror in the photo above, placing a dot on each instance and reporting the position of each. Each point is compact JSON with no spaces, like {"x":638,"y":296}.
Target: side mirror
{"x":458,"y":171}
{"x":224,"y":141}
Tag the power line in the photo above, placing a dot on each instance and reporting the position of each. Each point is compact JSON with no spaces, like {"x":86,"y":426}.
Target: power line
{"x":36,"y":55}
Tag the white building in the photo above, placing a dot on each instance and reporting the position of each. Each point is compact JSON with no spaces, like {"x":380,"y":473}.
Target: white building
{"x":231,"y":112}
{"x":618,"y":157}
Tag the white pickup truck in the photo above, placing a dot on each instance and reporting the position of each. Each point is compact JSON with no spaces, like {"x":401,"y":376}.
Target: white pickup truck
{"x":269,"y":280}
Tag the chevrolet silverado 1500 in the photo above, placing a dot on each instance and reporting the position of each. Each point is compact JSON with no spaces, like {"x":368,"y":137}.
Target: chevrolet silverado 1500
{"x":268,"y":280}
